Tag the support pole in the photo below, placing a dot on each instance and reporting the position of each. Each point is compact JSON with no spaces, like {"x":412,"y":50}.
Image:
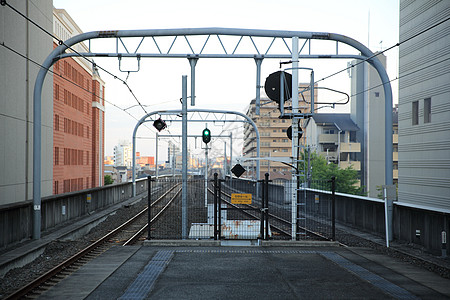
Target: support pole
{"x":266,"y":205}
{"x":294,"y":134}
{"x":156,"y":156}
{"x":258,"y":61}
{"x":206,"y":176}
{"x":225,"y":160}
{"x":149,"y":205}
{"x":184,"y":208}
{"x":231,"y":154}
{"x":333,"y":208}
{"x":193,"y":63}
{"x":216,"y":190}
{"x":174,"y":163}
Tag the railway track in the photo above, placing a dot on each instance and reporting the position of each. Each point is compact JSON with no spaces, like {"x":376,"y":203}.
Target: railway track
{"x":281,"y":226}
{"x":124,"y":235}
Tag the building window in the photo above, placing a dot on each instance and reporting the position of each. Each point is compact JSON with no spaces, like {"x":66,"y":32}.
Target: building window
{"x":427,"y":110}
{"x":57,"y":122}
{"x":55,"y":187}
{"x":66,"y":186}
{"x":56,"y":156}
{"x":377,"y":94}
{"x":415,"y":112}
{"x":56,"y":92}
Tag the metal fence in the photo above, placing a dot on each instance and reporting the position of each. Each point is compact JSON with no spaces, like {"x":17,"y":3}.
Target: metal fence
{"x":166,"y":193}
{"x":243,"y":204}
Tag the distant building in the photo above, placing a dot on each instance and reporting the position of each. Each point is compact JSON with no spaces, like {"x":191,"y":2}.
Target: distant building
{"x":123,"y":155}
{"x":274,"y":141}
{"x":109,"y":160}
{"x":368,"y":112}
{"x":18,"y":75}
{"x":145,"y":161}
{"x":333,"y":136}
{"x":424,"y":106}
{"x":78,"y":116}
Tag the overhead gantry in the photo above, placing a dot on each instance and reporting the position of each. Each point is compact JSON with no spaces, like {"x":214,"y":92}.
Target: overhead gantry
{"x":295,"y":45}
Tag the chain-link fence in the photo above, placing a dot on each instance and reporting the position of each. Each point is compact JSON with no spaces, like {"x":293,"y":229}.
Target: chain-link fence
{"x":244,"y":204}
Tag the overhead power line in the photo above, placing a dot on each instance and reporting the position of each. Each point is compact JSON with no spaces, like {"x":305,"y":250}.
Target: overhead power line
{"x":385,"y":50}
{"x":70,"y":81}
{"x":61,"y":42}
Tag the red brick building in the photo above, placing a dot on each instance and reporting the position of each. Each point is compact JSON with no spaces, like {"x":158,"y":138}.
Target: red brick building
{"x":78,"y":117}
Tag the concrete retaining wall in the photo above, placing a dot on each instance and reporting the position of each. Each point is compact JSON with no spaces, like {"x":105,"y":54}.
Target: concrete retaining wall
{"x":16,"y":220}
{"x":367,"y":214}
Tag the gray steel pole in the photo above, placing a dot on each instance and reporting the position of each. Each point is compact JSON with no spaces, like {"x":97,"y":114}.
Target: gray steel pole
{"x":174,"y":160}
{"x":156,"y":156}
{"x":231,"y":154}
{"x":206,"y":176}
{"x":184,"y":207}
{"x":258,"y":61}
{"x":295,"y":145}
{"x":225,"y":160}
{"x":193,"y":62}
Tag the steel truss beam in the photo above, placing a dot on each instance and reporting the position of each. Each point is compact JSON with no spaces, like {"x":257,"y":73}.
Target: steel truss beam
{"x":196,"y":111}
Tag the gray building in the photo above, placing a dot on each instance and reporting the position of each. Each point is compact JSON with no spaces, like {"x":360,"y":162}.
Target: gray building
{"x":334,"y":137}
{"x":17,"y":77}
{"x":424,"y":105}
{"x":367,"y":111}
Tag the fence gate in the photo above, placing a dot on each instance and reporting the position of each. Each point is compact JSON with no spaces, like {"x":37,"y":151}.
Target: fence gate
{"x":240,"y":212}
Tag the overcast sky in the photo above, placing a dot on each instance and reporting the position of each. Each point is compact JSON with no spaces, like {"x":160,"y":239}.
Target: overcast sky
{"x":227,"y":84}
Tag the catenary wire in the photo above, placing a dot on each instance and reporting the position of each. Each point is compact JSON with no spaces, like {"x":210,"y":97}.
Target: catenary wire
{"x":387,"y":49}
{"x":70,"y":81}
{"x":61,"y":42}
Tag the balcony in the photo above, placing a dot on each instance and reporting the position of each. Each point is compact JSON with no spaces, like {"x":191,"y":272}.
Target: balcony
{"x":395,"y":138}
{"x":395,"y":174}
{"x":328,"y":138}
{"x":330,"y":154}
{"x":356,"y":165}
{"x":281,"y":144}
{"x":350,"y":147}
{"x":395,"y":156}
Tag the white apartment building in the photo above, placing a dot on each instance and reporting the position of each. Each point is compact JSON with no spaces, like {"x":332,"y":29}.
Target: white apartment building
{"x":123,"y":155}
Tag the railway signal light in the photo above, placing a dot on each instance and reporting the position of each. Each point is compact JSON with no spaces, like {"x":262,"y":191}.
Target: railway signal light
{"x":206,"y":136}
{"x":273,"y":89}
{"x":159,"y":124}
{"x":289,"y":132}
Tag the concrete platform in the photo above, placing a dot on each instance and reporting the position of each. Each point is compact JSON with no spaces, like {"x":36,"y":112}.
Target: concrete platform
{"x":248,"y":272}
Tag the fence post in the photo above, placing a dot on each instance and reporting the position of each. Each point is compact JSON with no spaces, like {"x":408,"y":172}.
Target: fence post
{"x":219,"y":208}
{"x":149,"y":211}
{"x":333,"y":208}
{"x":266,"y":206}
{"x":215,"y":205}
{"x":263,"y":208}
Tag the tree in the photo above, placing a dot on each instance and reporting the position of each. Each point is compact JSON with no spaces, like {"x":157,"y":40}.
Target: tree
{"x":108,"y":180}
{"x":322,"y":171}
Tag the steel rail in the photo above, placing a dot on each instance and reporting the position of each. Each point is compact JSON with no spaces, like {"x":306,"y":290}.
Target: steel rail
{"x":286,"y":222}
{"x":22,"y":292}
{"x":144,"y":228}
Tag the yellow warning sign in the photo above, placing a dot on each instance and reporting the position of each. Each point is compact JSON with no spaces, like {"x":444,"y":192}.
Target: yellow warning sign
{"x":241,"y":198}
